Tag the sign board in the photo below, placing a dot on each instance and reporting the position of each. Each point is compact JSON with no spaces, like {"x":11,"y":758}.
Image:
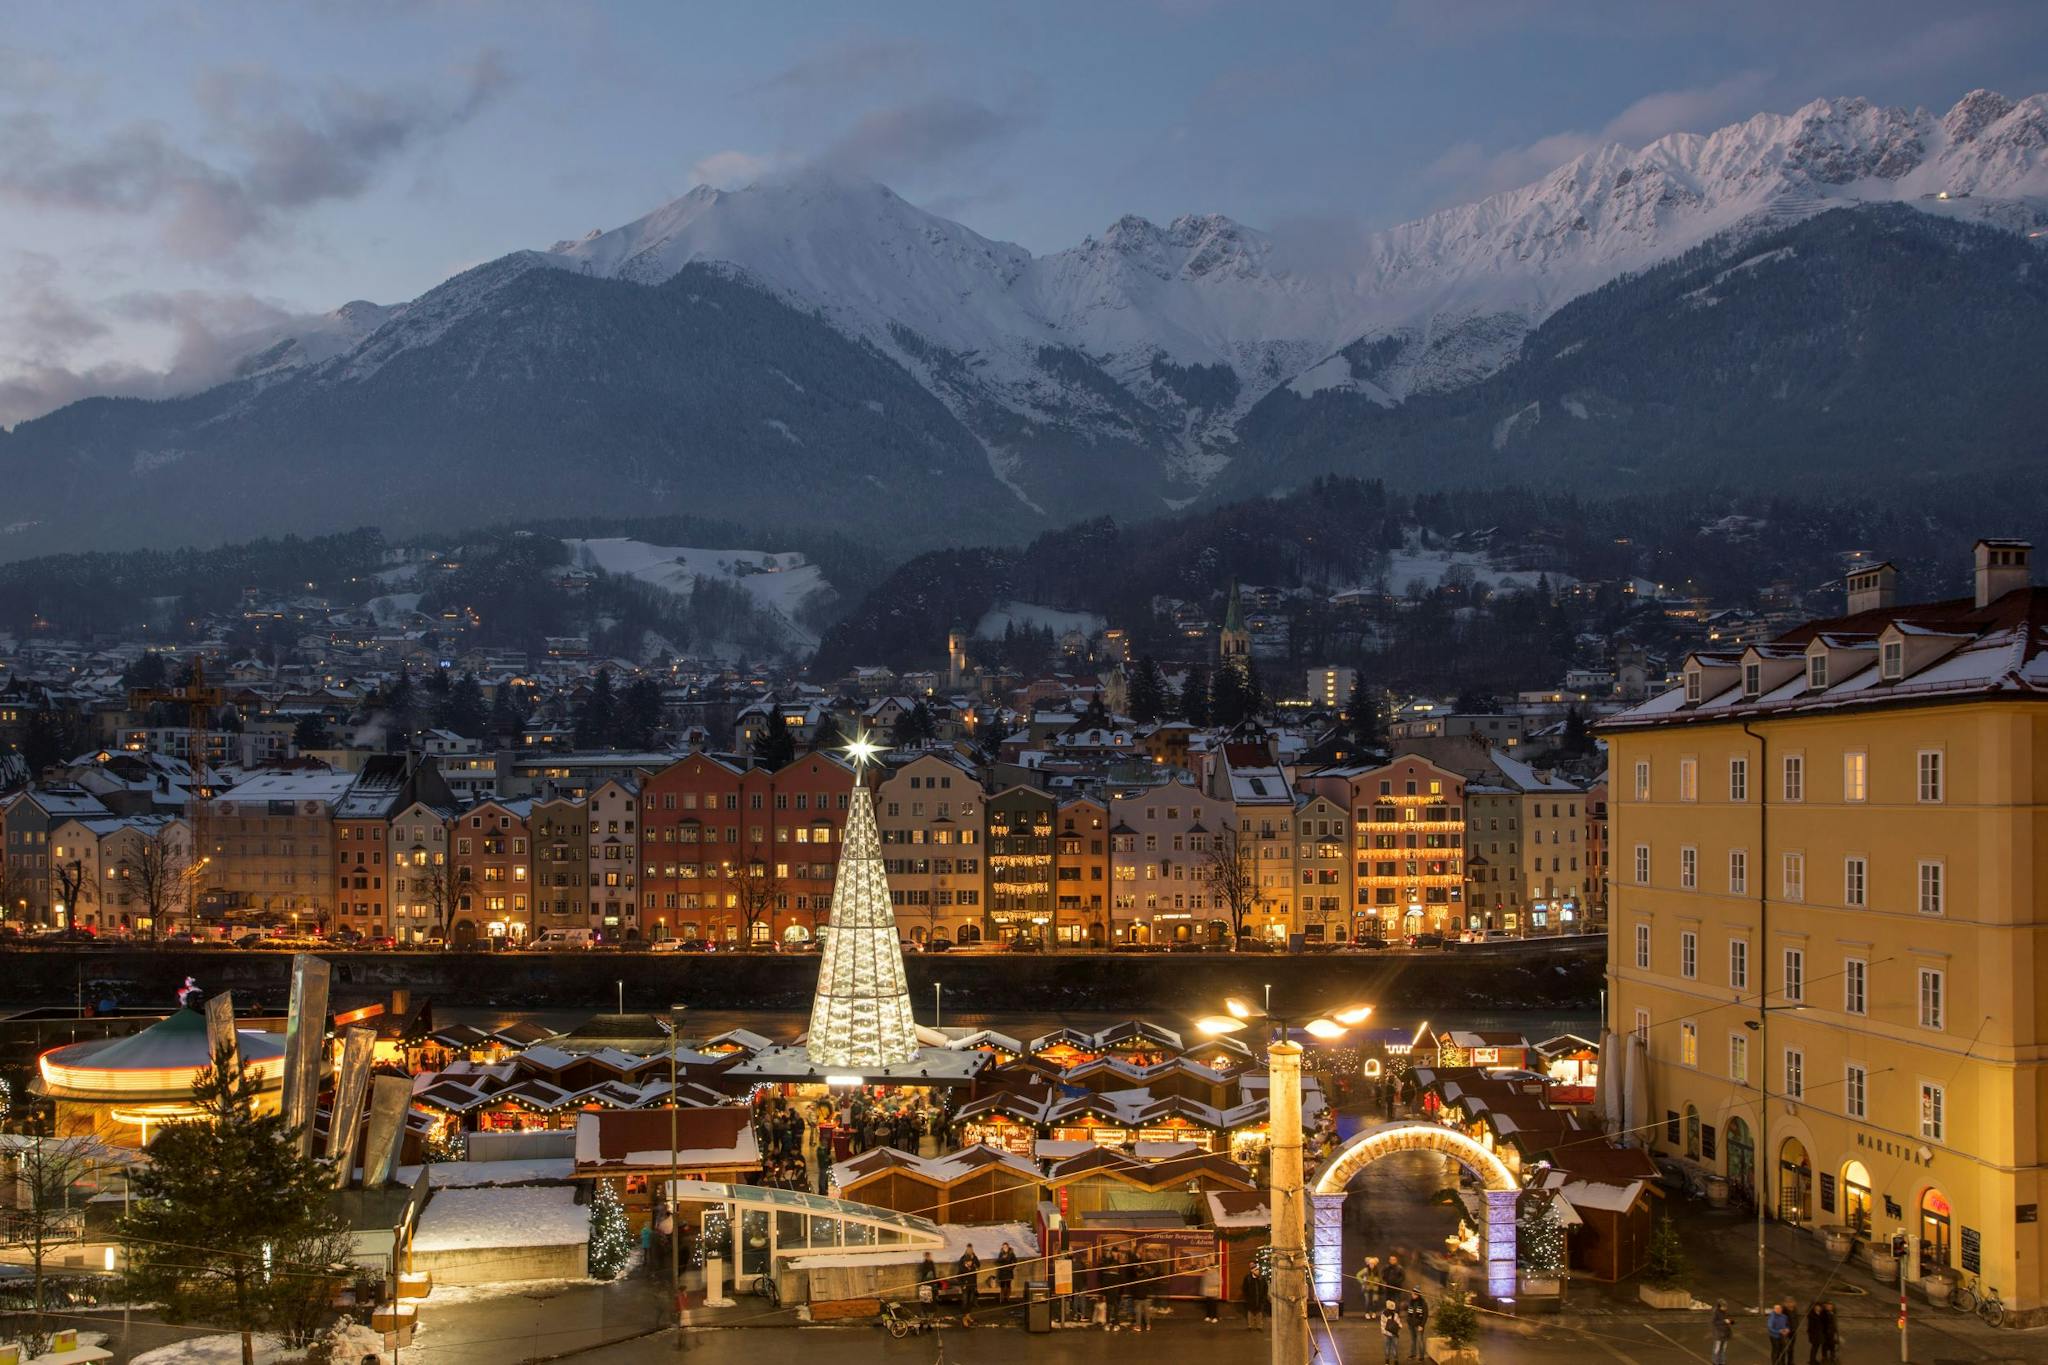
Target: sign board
{"x":2026,"y":1213}
{"x":1827,"y":1192}
{"x":1973,"y":1251}
{"x":1891,"y":1207}
{"x":1063,"y":1276}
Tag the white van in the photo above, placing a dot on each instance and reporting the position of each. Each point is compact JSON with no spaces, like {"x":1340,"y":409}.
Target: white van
{"x":554,"y":940}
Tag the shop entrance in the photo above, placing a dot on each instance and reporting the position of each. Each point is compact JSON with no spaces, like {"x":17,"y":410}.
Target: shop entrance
{"x":1856,"y":1198}
{"x":1795,"y":1183}
{"x":1934,"y":1232}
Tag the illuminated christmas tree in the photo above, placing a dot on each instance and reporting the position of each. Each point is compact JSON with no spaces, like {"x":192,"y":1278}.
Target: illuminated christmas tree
{"x":861,"y":1016}
{"x":611,"y":1241}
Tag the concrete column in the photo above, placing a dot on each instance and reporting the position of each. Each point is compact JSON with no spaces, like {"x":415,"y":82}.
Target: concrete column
{"x":1290,"y":1268}
{"x":1328,"y":1253}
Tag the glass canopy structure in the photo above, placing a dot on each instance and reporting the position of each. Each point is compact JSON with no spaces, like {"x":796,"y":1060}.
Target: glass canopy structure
{"x":771,"y":1223}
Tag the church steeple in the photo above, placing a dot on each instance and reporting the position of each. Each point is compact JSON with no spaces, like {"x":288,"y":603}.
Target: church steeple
{"x":1234,"y":642}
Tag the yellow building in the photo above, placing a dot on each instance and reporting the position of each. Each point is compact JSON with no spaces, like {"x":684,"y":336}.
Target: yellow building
{"x":1827,"y":919}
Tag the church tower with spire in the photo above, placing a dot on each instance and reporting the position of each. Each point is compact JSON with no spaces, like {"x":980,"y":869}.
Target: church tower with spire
{"x":1234,"y":642}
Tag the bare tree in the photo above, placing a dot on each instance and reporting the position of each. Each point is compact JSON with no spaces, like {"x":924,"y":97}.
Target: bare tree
{"x":159,"y":870}
{"x":43,"y":1211}
{"x":73,"y":880}
{"x":756,"y":885}
{"x":429,"y":884}
{"x":1228,"y":868}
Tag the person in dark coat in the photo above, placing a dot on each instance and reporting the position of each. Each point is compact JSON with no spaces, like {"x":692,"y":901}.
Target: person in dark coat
{"x":1006,"y":1272}
{"x":1816,"y":1332}
{"x":1416,"y":1311}
{"x":1831,"y":1342}
{"x":1249,"y":1288}
{"x":927,"y":1284}
{"x":970,"y":1282}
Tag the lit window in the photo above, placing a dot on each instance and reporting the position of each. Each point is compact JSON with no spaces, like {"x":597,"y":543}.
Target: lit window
{"x":1738,"y":1058}
{"x":1688,"y":779}
{"x":1856,"y":776}
{"x":1933,"y":1101}
{"x":1642,"y":780}
{"x":1688,"y":1044}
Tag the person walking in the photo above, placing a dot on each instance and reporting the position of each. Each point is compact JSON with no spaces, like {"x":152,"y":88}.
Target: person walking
{"x":1390,"y":1332}
{"x":1212,"y":1288}
{"x":970,"y":1286}
{"x":1113,"y":1289}
{"x":1778,"y":1327}
{"x":1832,"y":1344}
{"x":1417,"y":1314}
{"x":1006,"y":1273}
{"x":927,"y":1284}
{"x":1723,"y":1329}
{"x":1394,"y":1275}
{"x":1816,"y":1333}
{"x":1250,"y":1289}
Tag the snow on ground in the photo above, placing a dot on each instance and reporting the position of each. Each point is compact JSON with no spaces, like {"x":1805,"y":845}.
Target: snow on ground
{"x":1023,"y":614}
{"x":219,"y":1350}
{"x":393,"y":608}
{"x":475,"y":1174}
{"x":479,"y":1219}
{"x":779,"y":583}
{"x":1414,"y":561}
{"x":446,"y":1294}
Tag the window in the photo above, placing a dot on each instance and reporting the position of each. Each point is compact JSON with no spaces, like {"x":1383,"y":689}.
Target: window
{"x":1688,"y":868}
{"x":1795,"y":877}
{"x":1643,"y":1025}
{"x":1930,"y":775}
{"x":1855,"y":882}
{"x":1692,"y":685}
{"x":1795,"y":1074}
{"x":1688,"y":779}
{"x":1933,"y":1100}
{"x":1738,"y":871}
{"x":1689,"y":955}
{"x":1795,"y":777}
{"x":1642,"y":780}
{"x":1642,"y":864}
{"x":1738,"y":779}
{"x":1855,"y":986}
{"x":1816,"y":671}
{"x":1738,"y":1058}
{"x":1752,"y":680}
{"x":1738,"y":963}
{"x":1688,"y":1044}
{"x":1855,"y":1091}
{"x":1794,"y":983}
{"x":1642,"y":945}
{"x":1891,"y":664}
{"x":1930,"y":997}
{"x":1856,"y":776}
{"x":1930,"y":888}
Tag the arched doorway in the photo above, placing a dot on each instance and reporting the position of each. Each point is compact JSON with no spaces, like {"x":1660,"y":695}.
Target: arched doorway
{"x":1741,"y":1158}
{"x":465,"y":933}
{"x":969,"y":933}
{"x":1327,"y":1185}
{"x":795,"y":933}
{"x":1795,"y":1183}
{"x":1934,"y":1232}
{"x":1856,"y":1198}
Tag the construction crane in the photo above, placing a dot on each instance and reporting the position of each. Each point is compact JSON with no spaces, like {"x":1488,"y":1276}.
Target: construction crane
{"x":202,"y":702}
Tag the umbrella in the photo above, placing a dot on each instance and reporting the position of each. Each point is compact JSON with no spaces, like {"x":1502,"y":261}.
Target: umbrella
{"x":1636,"y":1113}
{"x":1608,"y":1082}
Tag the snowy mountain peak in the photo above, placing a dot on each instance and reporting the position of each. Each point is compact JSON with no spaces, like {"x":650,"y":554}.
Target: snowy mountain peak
{"x":1973,"y":113}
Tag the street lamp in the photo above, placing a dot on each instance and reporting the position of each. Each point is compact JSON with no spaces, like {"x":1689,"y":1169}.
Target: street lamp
{"x":1284,"y":1178}
{"x":1763,"y":1127}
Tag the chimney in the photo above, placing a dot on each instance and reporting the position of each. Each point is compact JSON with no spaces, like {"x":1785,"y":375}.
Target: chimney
{"x":1874,"y":588}
{"x":2001,"y":567}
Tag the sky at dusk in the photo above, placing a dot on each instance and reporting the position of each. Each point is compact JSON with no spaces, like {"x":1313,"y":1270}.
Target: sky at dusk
{"x":174,"y":174}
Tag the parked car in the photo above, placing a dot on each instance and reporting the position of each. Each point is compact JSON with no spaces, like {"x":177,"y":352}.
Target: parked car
{"x":1022,"y":944}
{"x":1425,"y":940}
{"x":939,"y":945}
{"x":1370,"y":943}
{"x":558,"y":940}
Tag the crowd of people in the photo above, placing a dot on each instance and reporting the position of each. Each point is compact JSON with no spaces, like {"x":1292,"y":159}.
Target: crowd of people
{"x":1781,"y":1327}
{"x":799,"y":1140}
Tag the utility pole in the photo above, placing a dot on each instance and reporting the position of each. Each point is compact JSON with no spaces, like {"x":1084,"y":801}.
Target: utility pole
{"x":1290,"y":1256}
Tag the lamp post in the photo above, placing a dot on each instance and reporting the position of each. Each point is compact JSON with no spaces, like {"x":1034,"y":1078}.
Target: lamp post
{"x":1763,"y":1126}
{"x":675,"y":1224}
{"x":1285,"y":1189}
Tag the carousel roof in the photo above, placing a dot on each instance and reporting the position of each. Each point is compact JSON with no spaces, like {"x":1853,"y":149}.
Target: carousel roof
{"x":160,"y":1060}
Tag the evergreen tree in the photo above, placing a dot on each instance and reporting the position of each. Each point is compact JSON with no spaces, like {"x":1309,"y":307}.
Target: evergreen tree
{"x":775,"y":746}
{"x":611,"y":1243}
{"x":1147,"y":692}
{"x":1666,"y":1264}
{"x":149,"y":671}
{"x":228,"y":1223}
{"x":1454,"y":1319}
{"x":903,"y":730}
{"x":597,"y":719}
{"x":312,"y":733}
{"x":1227,"y":701}
{"x":1194,"y":697}
{"x":923,"y":724}
{"x":640,"y":714}
{"x":1253,"y":688}
{"x":825,"y":734}
{"x":508,"y":717}
{"x":989,"y":736}
{"x":434,"y":703}
{"x":48,"y":739}
{"x":1576,"y":741}
{"x":463,"y":710}
{"x":399,"y":707}
{"x":1363,"y":720}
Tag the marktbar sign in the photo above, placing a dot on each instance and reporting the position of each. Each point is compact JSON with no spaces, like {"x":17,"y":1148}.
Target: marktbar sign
{"x":1902,"y":1151}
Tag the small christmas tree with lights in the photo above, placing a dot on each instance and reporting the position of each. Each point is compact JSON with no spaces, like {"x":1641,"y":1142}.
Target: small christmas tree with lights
{"x":611,"y":1245}
{"x":1455,"y":1321}
{"x":1540,"y":1236}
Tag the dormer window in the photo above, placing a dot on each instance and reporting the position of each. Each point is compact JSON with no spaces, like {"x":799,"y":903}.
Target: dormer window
{"x":1752,"y":680}
{"x":1892,"y":663}
{"x":1692,"y":685}
{"x":1817,"y":671}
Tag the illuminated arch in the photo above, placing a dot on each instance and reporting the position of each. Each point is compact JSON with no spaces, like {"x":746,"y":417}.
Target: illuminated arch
{"x":1326,"y":1192}
{"x":1370,"y":1144}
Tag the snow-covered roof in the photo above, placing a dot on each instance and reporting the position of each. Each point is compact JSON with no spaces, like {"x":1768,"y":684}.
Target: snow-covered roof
{"x":480,"y":1219}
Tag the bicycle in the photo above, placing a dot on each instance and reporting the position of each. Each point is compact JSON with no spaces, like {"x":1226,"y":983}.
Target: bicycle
{"x":1991,"y":1308}
{"x":1963,"y":1296}
{"x":767,"y":1288}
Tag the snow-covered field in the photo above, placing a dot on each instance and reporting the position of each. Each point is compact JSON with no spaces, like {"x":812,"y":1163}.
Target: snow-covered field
{"x":1023,"y":614}
{"x":779,"y":583}
{"x":479,"y":1219}
{"x":393,"y":608}
{"x":227,"y":1350}
{"x":1414,"y":561}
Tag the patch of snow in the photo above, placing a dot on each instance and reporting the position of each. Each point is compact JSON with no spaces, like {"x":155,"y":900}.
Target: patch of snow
{"x":392,"y":608}
{"x":779,"y":582}
{"x":875,"y":406}
{"x":224,"y":1350}
{"x":783,"y":427}
{"x":1573,"y":406}
{"x":1030,"y":614}
{"x":523,"y":1216}
{"x":1505,"y":427}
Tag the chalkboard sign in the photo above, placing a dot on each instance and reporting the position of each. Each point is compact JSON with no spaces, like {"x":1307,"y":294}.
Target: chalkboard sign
{"x":1973,"y":1251}
{"x":1827,"y":1192}
{"x":2027,"y":1213}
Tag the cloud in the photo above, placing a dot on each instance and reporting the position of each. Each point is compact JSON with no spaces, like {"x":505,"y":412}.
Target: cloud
{"x":908,"y":139}
{"x":284,"y":159}
{"x":1468,"y":168}
{"x":730,"y":169}
{"x":850,"y":64}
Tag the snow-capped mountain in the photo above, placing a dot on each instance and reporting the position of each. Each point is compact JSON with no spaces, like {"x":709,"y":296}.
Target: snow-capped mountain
{"x":664,"y":361}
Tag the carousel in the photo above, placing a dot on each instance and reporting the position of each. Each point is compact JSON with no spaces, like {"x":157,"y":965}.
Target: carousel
{"x":121,"y":1090}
